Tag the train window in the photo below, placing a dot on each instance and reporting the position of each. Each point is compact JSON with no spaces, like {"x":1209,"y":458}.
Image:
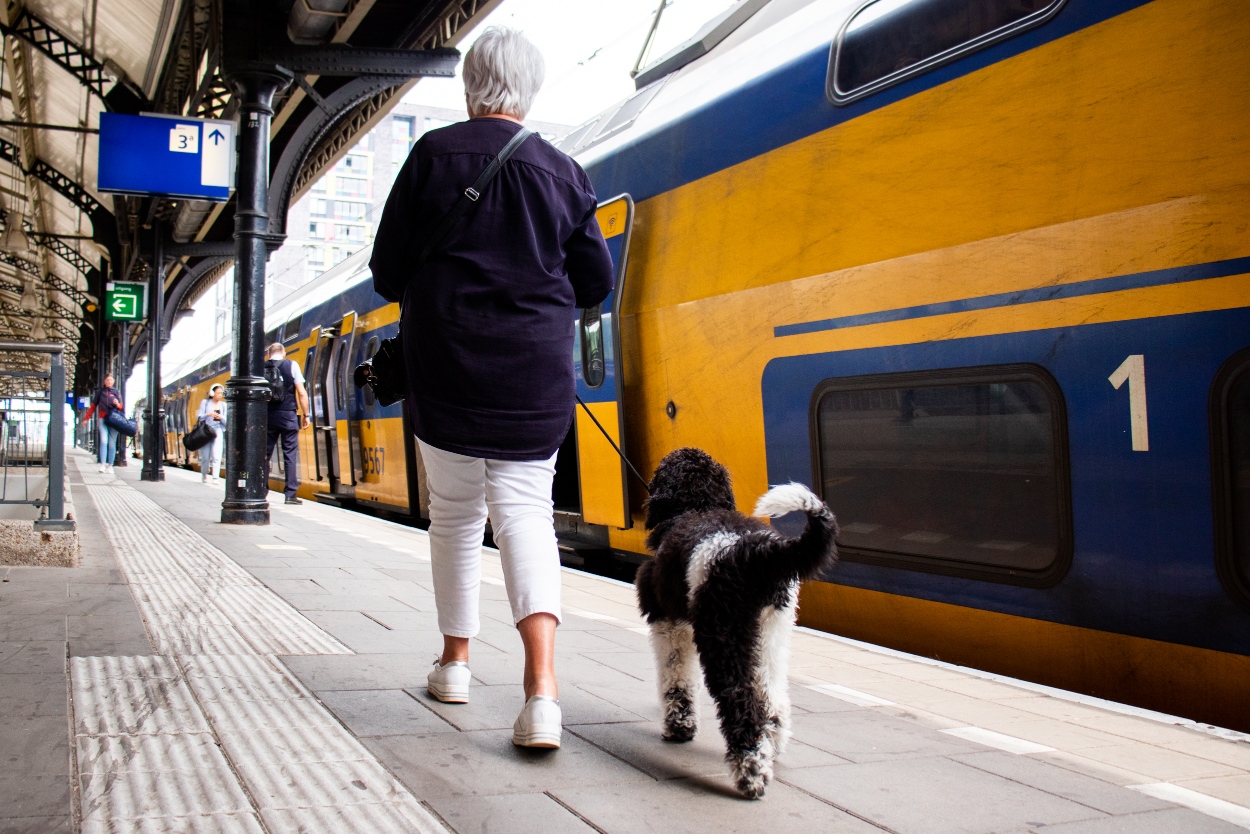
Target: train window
{"x":290,"y":330}
{"x":961,"y":472}
{"x":271,"y":337}
{"x":887,"y":41}
{"x":1230,"y":458}
{"x":592,"y":346}
{"x":371,"y":350}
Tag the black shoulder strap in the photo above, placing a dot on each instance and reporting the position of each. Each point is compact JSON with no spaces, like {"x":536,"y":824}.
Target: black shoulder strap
{"x":471,"y":195}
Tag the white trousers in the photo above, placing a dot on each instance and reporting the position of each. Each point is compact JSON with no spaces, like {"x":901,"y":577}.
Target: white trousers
{"x":517,"y":497}
{"x":210,"y":455}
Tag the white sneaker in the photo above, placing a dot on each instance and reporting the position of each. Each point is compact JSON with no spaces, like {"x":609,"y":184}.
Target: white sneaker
{"x":538,"y":725}
{"x":450,"y":683}
{"x":103,"y":468}
{"x":110,"y":468}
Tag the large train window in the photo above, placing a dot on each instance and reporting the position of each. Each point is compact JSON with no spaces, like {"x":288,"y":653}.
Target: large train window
{"x":290,"y":331}
{"x":888,"y":41}
{"x":1230,"y":470}
{"x":961,"y":472}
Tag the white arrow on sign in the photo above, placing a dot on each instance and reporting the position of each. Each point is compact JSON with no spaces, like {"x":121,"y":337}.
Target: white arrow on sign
{"x":120,"y":304}
{"x":216,"y":153}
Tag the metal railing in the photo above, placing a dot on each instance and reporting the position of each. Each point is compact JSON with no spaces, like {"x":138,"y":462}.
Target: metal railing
{"x":32,"y":432}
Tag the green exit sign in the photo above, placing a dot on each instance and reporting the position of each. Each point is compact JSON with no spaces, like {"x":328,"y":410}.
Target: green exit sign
{"x":125,"y":302}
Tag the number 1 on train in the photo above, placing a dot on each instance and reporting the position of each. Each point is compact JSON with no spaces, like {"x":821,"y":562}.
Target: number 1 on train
{"x":1133,"y":369}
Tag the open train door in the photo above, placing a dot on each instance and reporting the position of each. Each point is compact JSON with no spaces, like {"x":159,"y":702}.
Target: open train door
{"x":604,"y":491}
{"x":342,"y":393}
{"x":324,"y":425}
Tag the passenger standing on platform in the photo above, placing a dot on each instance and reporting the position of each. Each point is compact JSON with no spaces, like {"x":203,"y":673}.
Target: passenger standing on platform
{"x":287,"y":415}
{"x":488,"y":327}
{"x":106,"y":399}
{"x":213,"y":412}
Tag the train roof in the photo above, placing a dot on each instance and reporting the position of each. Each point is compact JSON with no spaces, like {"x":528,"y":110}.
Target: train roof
{"x":335,"y":281}
{"x":776,"y":34}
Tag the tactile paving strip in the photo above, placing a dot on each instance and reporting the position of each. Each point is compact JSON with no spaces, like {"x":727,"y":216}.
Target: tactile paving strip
{"x":195,"y":599}
{"x":170,"y":742}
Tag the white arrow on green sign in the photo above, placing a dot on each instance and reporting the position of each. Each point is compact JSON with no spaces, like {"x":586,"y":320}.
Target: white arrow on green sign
{"x":125,"y":301}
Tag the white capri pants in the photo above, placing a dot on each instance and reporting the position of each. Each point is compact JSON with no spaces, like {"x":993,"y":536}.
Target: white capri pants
{"x":517,"y":496}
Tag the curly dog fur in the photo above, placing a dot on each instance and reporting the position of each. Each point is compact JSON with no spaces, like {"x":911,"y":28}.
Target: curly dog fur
{"x":723,"y":588}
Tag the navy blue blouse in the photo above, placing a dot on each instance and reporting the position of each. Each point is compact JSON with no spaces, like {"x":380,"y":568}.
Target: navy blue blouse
{"x":488,"y":321}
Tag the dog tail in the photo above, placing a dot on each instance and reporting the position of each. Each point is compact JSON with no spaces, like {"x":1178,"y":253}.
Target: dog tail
{"x":815,"y":549}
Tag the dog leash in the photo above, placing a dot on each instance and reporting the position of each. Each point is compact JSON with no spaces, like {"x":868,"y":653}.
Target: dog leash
{"x":608,"y":437}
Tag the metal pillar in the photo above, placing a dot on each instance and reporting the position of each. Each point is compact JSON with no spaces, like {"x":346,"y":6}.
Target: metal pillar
{"x":56,"y":448}
{"x":247,"y":418}
{"x":154,"y":415}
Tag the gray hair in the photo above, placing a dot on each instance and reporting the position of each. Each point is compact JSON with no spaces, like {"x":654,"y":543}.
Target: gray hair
{"x":502,"y":73}
{"x":276,"y":347}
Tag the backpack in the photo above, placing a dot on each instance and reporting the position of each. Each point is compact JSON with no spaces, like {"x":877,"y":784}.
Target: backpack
{"x":277,"y":384}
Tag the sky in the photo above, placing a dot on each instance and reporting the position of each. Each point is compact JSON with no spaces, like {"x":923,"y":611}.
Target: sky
{"x":589,"y":47}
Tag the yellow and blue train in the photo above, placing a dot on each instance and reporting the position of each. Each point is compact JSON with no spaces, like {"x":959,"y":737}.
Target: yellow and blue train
{"x":979,"y":272}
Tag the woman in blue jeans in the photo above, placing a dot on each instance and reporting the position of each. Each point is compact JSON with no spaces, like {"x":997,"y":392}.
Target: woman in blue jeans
{"x":107,"y":399}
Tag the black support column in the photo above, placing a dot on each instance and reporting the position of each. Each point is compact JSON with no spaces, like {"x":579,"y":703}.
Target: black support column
{"x":247,"y":417}
{"x":154,"y":432}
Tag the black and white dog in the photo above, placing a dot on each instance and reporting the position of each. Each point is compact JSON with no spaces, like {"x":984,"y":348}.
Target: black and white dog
{"x":725,"y":587}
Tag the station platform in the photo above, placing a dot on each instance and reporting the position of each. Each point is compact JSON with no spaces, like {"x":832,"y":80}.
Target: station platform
{"x":195,"y":677}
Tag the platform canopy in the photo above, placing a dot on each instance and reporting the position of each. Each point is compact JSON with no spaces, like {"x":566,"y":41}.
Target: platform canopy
{"x":66,"y":61}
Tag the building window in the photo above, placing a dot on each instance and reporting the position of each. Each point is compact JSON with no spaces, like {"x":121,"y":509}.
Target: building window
{"x":1230,"y":458}
{"x":351,"y":187}
{"x":888,"y":41}
{"x":354,"y":163}
{"x":402,"y":137}
{"x":319,"y":187}
{"x":320,"y":207}
{"x":350,"y":210}
{"x":351,"y":234}
{"x":961,"y":471}
{"x":432,"y":123}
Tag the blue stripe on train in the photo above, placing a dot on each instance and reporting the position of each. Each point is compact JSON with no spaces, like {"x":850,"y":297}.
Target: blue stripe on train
{"x":1155,"y":278}
{"x":789,"y":104}
{"x":1143,"y":560}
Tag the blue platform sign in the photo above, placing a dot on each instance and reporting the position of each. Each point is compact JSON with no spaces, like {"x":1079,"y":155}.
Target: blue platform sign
{"x":170,"y":156}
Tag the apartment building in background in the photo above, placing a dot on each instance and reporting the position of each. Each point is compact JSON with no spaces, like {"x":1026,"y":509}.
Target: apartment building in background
{"x":341,"y":211}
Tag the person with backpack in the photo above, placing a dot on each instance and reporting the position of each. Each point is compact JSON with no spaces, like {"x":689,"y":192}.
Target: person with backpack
{"x":213,"y":412}
{"x":288,"y":413}
{"x":106,"y":399}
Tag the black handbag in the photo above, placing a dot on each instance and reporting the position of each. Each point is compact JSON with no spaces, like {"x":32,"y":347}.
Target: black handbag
{"x":199,"y":437}
{"x":120,"y":423}
{"x":385,"y":372}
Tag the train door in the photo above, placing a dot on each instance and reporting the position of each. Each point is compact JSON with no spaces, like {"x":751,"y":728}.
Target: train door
{"x":324,"y":425}
{"x":602,"y":473}
{"x":346,"y":415}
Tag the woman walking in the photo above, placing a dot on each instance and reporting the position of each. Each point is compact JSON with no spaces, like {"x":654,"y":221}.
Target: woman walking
{"x":106,"y":399}
{"x":213,"y":412}
{"x":488,"y":326}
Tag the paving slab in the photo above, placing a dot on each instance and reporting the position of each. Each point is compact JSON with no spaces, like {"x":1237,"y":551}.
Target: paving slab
{"x":1094,"y":793}
{"x":695,"y":806}
{"x":383,"y":712}
{"x":937,"y":796}
{"x":529,"y":813}
{"x":485,"y":763}
{"x":1171,"y":821}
